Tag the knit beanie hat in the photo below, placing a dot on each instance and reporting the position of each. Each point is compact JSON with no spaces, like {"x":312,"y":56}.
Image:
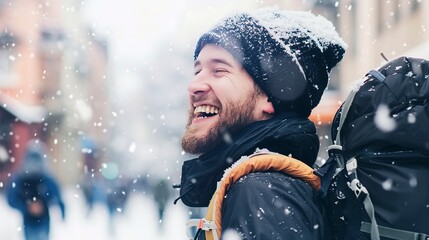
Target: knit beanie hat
{"x":288,"y":53}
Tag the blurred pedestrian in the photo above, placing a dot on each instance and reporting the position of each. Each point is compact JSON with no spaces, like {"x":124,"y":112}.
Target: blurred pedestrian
{"x":117,"y":196}
{"x":32,"y":190}
{"x":93,"y":183}
{"x":161,"y":193}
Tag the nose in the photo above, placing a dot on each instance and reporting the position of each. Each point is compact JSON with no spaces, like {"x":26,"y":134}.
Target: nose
{"x":198,"y":86}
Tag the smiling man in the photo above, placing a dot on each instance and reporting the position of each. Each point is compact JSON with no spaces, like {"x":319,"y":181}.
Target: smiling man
{"x":257,"y":77}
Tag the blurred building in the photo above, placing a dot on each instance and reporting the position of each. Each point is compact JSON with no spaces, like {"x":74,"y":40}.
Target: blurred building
{"x":53,"y":83}
{"x":394,"y":28}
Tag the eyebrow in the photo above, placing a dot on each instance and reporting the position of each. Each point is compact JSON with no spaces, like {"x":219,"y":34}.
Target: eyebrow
{"x":215,"y":60}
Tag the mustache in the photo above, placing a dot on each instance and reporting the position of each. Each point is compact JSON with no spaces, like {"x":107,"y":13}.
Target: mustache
{"x":197,"y":98}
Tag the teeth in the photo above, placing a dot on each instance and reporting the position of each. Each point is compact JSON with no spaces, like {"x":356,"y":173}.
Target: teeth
{"x":206,"y":109}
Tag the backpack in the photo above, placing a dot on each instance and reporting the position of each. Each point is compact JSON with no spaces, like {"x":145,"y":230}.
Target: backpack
{"x":33,"y":190}
{"x":375,"y":178}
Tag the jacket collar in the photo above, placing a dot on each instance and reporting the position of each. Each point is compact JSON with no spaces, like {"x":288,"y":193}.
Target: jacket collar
{"x":286,"y":133}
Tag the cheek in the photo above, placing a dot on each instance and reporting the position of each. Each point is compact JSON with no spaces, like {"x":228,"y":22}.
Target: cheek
{"x":232,"y":92}
{"x":233,"y":89}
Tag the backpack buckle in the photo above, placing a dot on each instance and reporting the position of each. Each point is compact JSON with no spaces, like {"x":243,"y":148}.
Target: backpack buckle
{"x":202,"y":224}
{"x":351,"y":166}
{"x":357,"y":187}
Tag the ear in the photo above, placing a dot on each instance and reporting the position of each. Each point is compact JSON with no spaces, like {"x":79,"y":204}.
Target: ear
{"x":265,"y":109}
{"x":268,"y":107}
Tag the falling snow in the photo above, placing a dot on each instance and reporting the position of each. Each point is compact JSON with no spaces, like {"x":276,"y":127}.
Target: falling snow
{"x":382,"y":119}
{"x":387,"y":185}
{"x":132,"y":147}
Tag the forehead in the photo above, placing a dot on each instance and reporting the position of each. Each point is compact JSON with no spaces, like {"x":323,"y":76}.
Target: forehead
{"x":214,"y":54}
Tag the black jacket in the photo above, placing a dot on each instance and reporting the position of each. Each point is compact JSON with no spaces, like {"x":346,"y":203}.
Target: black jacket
{"x":272,"y":205}
{"x":265,"y":205}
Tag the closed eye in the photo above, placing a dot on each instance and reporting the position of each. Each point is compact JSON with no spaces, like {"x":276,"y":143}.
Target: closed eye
{"x":196,"y":72}
{"x":220,"y":70}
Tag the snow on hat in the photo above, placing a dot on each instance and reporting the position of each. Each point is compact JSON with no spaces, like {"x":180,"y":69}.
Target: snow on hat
{"x":288,"y":53}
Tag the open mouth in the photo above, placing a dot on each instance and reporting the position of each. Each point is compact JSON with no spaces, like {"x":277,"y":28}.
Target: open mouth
{"x":205,"y":111}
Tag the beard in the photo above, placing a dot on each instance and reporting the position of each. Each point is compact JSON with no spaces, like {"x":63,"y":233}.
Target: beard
{"x":234,"y":119}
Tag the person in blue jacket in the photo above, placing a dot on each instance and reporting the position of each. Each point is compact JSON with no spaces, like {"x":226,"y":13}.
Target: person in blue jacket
{"x":32,"y":190}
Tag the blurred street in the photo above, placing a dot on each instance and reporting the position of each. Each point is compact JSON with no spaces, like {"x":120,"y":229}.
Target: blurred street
{"x":137,"y":221}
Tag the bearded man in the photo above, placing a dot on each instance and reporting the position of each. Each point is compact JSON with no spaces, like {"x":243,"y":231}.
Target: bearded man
{"x":257,"y":77}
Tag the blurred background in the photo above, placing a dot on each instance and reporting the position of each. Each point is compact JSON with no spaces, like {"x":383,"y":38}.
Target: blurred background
{"x":103,"y":84}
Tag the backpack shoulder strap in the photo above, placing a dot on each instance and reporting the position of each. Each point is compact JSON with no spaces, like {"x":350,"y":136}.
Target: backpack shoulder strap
{"x":265,"y":161}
